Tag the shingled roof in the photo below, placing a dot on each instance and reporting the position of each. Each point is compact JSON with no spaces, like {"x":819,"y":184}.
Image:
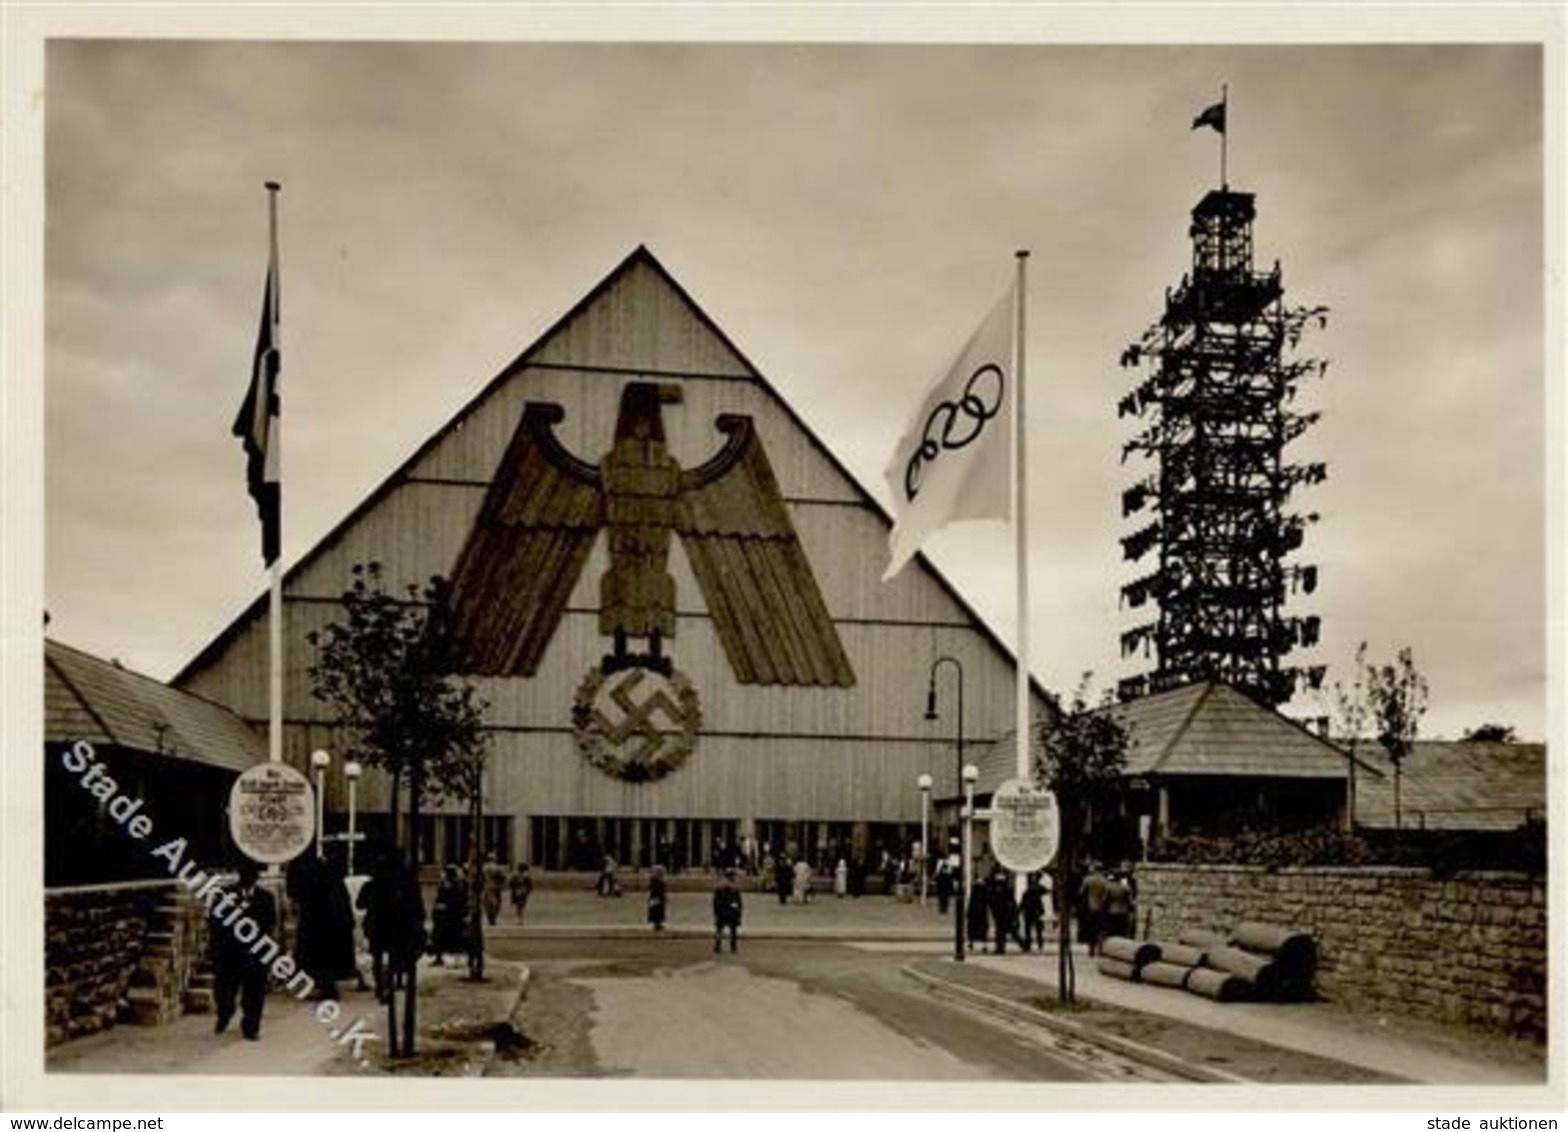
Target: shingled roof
{"x":1456,"y":786}
{"x":1211,"y":729}
{"x":93,"y":699}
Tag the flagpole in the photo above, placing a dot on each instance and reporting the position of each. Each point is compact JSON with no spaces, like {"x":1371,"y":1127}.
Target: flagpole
{"x":1021,"y":544}
{"x":275,"y":447}
{"x":1224,"y":132}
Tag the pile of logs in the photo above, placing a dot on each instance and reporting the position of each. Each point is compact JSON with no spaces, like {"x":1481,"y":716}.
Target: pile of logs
{"x":1255,"y":962}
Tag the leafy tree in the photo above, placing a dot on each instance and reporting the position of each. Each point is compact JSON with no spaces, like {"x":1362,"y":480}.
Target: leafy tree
{"x":1490,"y":733}
{"x":1083,"y":751}
{"x":384,"y":670}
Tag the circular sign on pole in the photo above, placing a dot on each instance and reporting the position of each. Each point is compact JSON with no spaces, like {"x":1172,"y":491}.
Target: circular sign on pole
{"x":1025,"y":826}
{"x":272,"y":813}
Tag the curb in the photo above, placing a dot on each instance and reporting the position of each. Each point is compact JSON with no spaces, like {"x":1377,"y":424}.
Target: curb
{"x":1136,"y":1051}
{"x":641,"y":931}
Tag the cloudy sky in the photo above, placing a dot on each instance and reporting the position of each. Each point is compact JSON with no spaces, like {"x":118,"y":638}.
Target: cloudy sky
{"x":846,"y":213}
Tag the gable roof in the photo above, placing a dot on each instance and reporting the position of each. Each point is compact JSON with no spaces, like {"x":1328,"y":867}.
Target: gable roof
{"x":640,"y":256}
{"x":1456,"y":785}
{"x":96,"y":700}
{"x":1210,"y":728}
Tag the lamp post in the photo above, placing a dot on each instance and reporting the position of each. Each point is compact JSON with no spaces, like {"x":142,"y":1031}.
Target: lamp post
{"x":924,"y":782}
{"x":351,"y":771}
{"x":319,"y":761}
{"x":971,"y":774}
{"x":958,"y":669}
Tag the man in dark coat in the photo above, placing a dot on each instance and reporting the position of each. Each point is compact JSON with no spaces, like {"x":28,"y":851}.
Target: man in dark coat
{"x":944,"y":885}
{"x":394,"y":921}
{"x":236,"y":968}
{"x":783,"y":876}
{"x":1004,"y":909}
{"x":978,"y":917}
{"x":324,"y":937}
{"x":449,"y":917}
{"x":726,"y":910}
{"x":658,"y":898}
{"x":1031,"y":909}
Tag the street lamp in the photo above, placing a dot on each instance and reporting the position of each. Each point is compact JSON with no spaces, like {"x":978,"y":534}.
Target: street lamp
{"x":351,"y":771}
{"x":319,"y":761}
{"x":971,"y":773}
{"x":958,"y":669}
{"x":924,"y":782}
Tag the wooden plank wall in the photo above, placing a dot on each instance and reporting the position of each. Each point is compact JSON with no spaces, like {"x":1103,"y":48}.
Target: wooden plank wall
{"x":826,"y":754}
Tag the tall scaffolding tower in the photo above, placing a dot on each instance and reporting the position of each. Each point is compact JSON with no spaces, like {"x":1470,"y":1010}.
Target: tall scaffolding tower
{"x":1217,"y":419}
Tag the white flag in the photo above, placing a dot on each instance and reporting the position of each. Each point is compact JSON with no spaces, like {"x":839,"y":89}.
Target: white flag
{"x":952,"y":463}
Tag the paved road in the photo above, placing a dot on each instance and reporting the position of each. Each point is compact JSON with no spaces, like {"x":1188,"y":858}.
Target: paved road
{"x":780,"y":1009}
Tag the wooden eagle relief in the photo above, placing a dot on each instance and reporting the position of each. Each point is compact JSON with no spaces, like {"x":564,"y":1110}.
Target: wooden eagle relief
{"x":545,"y":507}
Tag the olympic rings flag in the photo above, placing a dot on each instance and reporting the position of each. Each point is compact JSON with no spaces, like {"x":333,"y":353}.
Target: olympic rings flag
{"x":952,"y":464}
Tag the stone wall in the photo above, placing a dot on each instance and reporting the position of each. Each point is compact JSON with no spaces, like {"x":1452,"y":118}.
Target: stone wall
{"x":120,"y":952}
{"x":1468,"y":949}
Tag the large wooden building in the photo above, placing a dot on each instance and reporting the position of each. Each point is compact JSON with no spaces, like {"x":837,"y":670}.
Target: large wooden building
{"x":671,"y":595}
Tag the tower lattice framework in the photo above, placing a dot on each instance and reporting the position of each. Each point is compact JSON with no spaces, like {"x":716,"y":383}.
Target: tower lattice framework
{"x":1216,"y":419}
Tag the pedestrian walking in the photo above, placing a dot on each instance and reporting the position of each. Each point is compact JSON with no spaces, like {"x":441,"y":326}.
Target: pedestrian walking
{"x":1004,"y":910}
{"x":841,"y":879}
{"x":608,"y":884}
{"x":658,"y":898}
{"x":1031,"y":909}
{"x":324,"y":935}
{"x":449,"y":917}
{"x":493,"y":884}
{"x":727,"y":906}
{"x":521,"y":884}
{"x":781,"y":877}
{"x":1118,"y":906}
{"x":237,"y":971}
{"x":978,"y":917}
{"x":944,"y":885}
{"x":394,"y":921}
{"x":1092,"y":927}
{"x":802,"y":881}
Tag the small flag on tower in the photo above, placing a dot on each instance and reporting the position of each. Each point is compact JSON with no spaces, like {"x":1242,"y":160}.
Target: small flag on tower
{"x":1214,"y":116}
{"x":257,"y":421}
{"x":952,"y":463}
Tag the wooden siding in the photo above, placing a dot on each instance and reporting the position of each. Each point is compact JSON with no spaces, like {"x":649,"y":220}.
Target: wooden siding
{"x":725,"y":778}
{"x":765,"y":751}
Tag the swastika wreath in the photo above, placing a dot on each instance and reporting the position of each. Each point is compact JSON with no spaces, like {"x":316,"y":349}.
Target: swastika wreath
{"x":636,"y":724}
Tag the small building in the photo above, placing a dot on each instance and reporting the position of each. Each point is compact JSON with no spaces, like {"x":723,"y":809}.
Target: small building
{"x":1211,"y":761}
{"x":177,"y":752}
{"x":1455,"y":786}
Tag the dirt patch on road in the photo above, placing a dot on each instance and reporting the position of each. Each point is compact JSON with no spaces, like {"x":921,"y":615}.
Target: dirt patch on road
{"x":553,"y":1023}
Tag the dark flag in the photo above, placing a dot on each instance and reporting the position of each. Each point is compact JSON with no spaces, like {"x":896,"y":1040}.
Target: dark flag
{"x":1213,"y":116}
{"x":257,"y":422}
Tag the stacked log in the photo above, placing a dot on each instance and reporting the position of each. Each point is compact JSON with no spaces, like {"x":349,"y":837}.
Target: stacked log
{"x":1130,"y":950}
{"x":1293,"y":957}
{"x":1163,"y":974}
{"x":1117,"y":969}
{"x":1257,"y":972}
{"x":1220,"y":986}
{"x":1258,"y":962}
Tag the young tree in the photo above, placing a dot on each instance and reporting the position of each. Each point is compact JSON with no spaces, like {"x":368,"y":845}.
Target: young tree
{"x":1389,"y":700}
{"x":1351,"y":713}
{"x":1083,"y":753}
{"x":384,"y":669}
{"x":1396,"y":693}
